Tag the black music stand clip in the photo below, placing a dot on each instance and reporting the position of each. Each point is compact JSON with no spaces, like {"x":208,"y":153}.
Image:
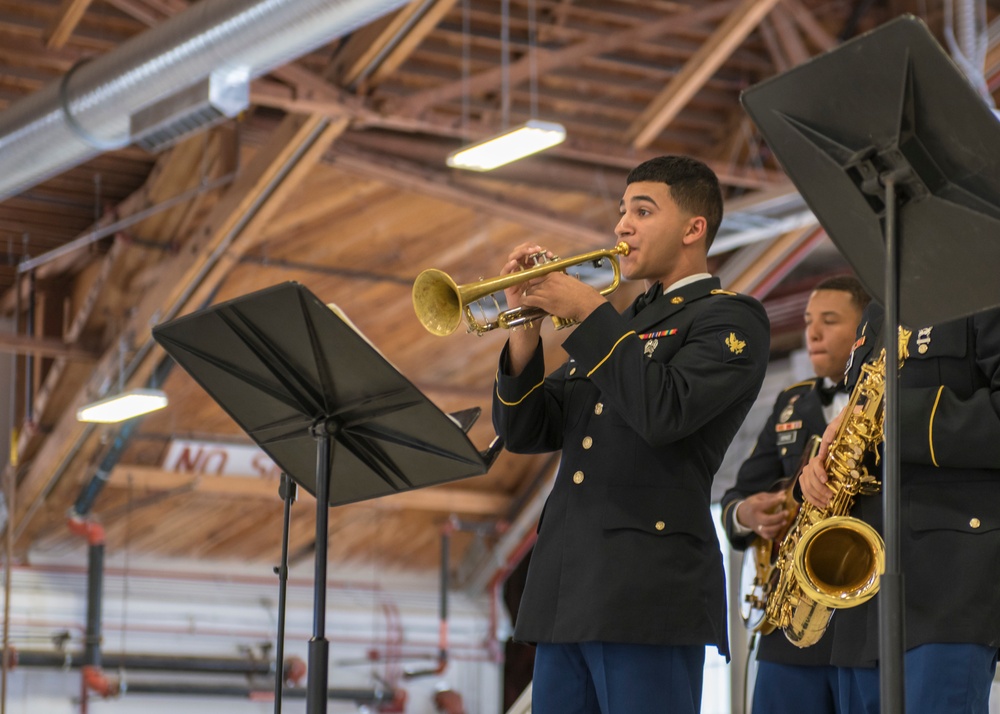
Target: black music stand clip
{"x":899,"y":159}
{"x":328,"y":409}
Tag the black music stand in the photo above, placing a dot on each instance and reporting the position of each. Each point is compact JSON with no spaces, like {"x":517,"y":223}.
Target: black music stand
{"x":300,"y":381}
{"x":899,"y":158}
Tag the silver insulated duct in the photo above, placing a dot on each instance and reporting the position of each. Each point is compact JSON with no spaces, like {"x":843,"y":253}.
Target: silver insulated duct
{"x":91,"y":109}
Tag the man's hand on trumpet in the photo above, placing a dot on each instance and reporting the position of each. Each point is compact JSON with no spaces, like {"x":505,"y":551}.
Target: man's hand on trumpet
{"x":520,"y":259}
{"x":556,"y":293}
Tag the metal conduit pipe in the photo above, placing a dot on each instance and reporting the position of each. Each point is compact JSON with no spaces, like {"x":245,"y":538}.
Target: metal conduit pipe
{"x":249,"y":667}
{"x":88,"y":111}
{"x":94,"y":678}
{"x":360,"y":696}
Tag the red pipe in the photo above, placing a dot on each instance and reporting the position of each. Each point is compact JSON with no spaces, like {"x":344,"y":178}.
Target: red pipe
{"x":91,"y":530}
{"x":93,"y":677}
{"x":96,"y":681}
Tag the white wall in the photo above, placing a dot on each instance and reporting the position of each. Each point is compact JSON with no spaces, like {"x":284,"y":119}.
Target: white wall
{"x":200,"y":610}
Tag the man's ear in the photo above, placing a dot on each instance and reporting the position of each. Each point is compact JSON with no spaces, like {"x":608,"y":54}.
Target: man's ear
{"x":696,"y":230}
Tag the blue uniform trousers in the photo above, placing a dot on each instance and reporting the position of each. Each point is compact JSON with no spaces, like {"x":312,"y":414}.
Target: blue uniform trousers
{"x":612,"y":678}
{"x":940,"y":679}
{"x":795,"y":689}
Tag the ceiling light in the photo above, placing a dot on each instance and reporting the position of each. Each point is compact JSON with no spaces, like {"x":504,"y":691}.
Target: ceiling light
{"x":120,"y":407}
{"x":529,"y":138}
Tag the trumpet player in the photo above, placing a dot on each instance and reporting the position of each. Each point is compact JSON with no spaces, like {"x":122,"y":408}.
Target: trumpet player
{"x":949,"y":404}
{"x":625,"y":587}
{"x":789,"y":679}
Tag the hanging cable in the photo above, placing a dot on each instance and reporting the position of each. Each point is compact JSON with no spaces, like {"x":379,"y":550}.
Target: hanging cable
{"x":967,"y":37}
{"x":532,"y":61}
{"x":505,"y":63}
{"x":126,"y":547}
{"x":466,"y":66}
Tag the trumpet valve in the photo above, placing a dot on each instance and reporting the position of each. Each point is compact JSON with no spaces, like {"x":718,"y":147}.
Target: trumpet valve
{"x":540,"y":258}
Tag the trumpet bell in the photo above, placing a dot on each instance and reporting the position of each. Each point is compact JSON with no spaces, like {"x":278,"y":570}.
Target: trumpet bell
{"x":437,"y":302}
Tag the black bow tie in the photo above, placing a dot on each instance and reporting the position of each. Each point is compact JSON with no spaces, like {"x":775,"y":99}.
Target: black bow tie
{"x":826,"y":393}
{"x":655,"y":290}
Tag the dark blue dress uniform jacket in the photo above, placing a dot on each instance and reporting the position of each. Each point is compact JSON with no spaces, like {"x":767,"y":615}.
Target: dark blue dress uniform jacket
{"x":627,"y":550}
{"x":776,"y":458}
{"x":949,"y":401}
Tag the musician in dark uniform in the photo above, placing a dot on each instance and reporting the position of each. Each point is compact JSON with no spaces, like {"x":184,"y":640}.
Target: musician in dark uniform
{"x":949,"y":400}
{"x":626,"y":585}
{"x":792,"y":679}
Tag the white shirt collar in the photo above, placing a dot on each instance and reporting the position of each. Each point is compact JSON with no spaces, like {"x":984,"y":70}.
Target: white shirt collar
{"x":687,"y":281}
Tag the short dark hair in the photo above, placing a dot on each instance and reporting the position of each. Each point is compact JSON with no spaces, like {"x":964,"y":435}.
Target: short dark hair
{"x":847,"y":284}
{"x":693,"y":186}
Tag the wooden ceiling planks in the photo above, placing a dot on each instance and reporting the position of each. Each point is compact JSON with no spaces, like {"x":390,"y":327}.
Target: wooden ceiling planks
{"x":363,"y":218}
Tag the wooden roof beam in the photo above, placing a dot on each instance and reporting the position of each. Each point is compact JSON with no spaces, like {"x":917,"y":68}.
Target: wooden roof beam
{"x":136,"y":10}
{"x":443,"y":499}
{"x":438,"y":185}
{"x":696,"y":71}
{"x":375,"y":51}
{"x":548,"y":60}
{"x":188,"y":280}
{"x":44,"y":347}
{"x":788,"y":36}
{"x":810,"y":26}
{"x":149,"y":12}
{"x":757,"y":268}
{"x":411,"y":40}
{"x":773,"y":47}
{"x":68,"y":17}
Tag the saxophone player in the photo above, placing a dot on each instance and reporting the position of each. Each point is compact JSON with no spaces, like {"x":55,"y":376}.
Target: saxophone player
{"x":789,"y":679}
{"x":949,"y":402}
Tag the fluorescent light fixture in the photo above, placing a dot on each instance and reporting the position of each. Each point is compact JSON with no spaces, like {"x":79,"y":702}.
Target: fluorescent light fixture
{"x":120,"y":407}
{"x":529,"y":138}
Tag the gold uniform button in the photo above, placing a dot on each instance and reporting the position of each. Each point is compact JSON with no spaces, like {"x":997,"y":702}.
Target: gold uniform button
{"x":573,"y":371}
{"x":784,"y":450}
{"x":922,"y":349}
{"x":587,"y":442}
{"x":578,"y":477}
{"x":660,"y":525}
{"x":975,"y":523}
{"x":598,"y":408}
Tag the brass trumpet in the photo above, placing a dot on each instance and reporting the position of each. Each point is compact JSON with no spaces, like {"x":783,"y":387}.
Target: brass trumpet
{"x":440,"y":303}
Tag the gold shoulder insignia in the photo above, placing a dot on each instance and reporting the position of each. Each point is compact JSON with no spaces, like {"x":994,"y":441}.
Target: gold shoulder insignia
{"x":722,"y":292}
{"x":735,"y":345}
{"x":806,"y":383}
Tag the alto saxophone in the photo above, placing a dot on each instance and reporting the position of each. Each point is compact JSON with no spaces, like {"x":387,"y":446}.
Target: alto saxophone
{"x":829,"y":560}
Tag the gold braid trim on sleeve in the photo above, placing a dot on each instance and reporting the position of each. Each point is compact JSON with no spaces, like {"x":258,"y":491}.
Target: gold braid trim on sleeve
{"x":514,"y":404}
{"x":930,"y":426}
{"x":613,"y":348}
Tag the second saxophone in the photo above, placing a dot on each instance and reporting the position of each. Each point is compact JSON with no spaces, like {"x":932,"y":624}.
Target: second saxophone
{"x":829,"y":560}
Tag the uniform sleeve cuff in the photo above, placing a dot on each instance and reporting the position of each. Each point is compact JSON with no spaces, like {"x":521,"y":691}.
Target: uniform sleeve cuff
{"x":513,"y":390}
{"x":738,"y":528}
